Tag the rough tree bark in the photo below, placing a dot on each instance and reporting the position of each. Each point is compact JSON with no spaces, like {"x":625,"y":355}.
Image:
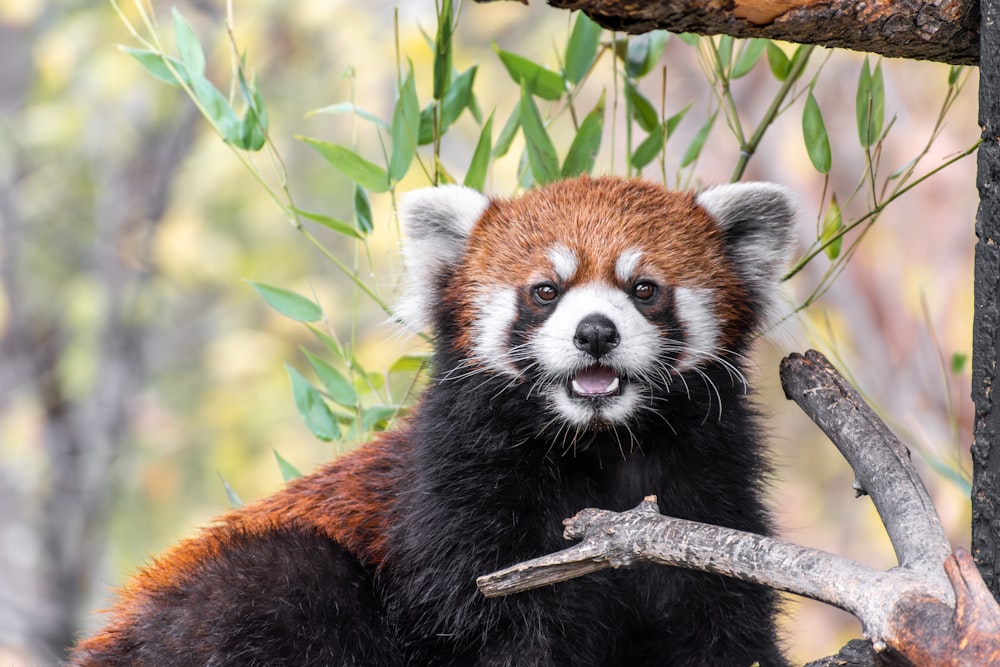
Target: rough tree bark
{"x":942,"y":30}
{"x":986,"y":456}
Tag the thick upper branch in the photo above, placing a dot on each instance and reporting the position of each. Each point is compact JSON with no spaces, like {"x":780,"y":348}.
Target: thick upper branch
{"x":942,"y":30}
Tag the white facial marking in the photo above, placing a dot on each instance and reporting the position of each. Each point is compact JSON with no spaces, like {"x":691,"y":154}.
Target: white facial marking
{"x":626,"y":265}
{"x":491,"y":329}
{"x":559,"y":358}
{"x":563,"y":261}
{"x":701,"y":329}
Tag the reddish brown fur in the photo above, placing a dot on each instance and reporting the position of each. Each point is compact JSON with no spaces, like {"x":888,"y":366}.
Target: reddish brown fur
{"x":350,"y":501}
{"x":681,"y":244}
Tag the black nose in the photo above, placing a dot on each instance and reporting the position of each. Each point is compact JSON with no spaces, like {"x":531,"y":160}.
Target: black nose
{"x":596,"y":334}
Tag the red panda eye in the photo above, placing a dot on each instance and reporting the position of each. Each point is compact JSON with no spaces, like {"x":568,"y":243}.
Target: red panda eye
{"x":545,"y":293}
{"x":644,"y":291}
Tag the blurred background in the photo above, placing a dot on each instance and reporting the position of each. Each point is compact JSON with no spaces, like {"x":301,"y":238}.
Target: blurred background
{"x":137,"y":366}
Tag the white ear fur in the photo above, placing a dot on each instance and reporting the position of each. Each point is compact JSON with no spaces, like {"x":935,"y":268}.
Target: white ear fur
{"x":436,"y":224}
{"x":757,"y":221}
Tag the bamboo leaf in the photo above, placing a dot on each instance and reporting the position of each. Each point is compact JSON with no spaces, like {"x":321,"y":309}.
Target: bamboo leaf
{"x":231,"y":497}
{"x":541,"y":153}
{"x":362,"y":210}
{"x":816,"y":138}
{"x":540,"y":81}
{"x":648,"y":149}
{"x":377,"y":417}
{"x":958,"y":361}
{"x":644,"y":52}
{"x":587,"y":142}
{"x":289,"y":304}
{"x":832,"y":232}
{"x":870,"y":104}
{"x":188,"y":46}
{"x":405,"y":129}
{"x":475,"y":176}
{"x":366,"y":174}
{"x":507,"y":133}
{"x":311,"y":407}
{"x":336,"y":225}
{"x":581,"y":48}
{"x":643,"y":110}
{"x":410,"y":363}
{"x":347,"y":107}
{"x":443,"y":49}
{"x":288,"y":471}
{"x":154,"y":63}
{"x":458,"y":98}
{"x":778,"y":62}
{"x":339,"y":388}
{"x":749,"y":56}
{"x":694,"y":148}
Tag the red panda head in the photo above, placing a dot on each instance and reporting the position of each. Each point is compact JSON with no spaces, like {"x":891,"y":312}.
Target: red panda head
{"x":595,"y":293}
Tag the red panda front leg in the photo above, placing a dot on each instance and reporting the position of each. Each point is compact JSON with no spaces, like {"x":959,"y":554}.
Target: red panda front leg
{"x":286,"y":595}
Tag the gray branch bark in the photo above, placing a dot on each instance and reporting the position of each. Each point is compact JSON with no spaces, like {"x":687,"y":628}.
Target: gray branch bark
{"x":932,"y":609}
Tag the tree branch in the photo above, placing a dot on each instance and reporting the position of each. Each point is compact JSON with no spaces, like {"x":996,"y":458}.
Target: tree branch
{"x":942,"y":30}
{"x":932,"y":609}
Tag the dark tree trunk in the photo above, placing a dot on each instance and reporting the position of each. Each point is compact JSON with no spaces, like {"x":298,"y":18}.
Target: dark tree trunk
{"x":986,"y":457}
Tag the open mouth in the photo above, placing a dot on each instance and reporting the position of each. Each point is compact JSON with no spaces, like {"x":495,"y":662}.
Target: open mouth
{"x":595,"y":382}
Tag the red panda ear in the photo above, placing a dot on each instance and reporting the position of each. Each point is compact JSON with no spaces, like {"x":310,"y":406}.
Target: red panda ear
{"x":757,"y":221}
{"x":436,"y":224}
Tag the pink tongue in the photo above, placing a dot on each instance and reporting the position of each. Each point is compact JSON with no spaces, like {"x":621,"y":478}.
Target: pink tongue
{"x":595,"y":381}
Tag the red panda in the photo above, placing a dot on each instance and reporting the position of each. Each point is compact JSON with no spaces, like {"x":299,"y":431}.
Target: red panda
{"x":589,"y":351}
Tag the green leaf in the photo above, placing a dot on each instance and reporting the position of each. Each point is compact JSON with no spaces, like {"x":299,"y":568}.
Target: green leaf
{"x":953,"y":73}
{"x":648,"y":149}
{"x":377,"y":417}
{"x":366,"y":174}
{"x":289,"y":304}
{"x":288,"y":471}
{"x":475,"y":176}
{"x":443,"y":49}
{"x":328,"y":341}
{"x":405,"y":129}
{"x":231,"y":497}
{"x":410,"y":363}
{"x":507,"y":133}
{"x":363,"y":210}
{"x":587,"y":142}
{"x":540,"y":81}
{"x":458,"y":98}
{"x":749,"y":55}
{"x":337,"y":386}
{"x":725,"y":50}
{"x":541,"y":153}
{"x":217,"y":108}
{"x":347,"y":107}
{"x":689,"y":38}
{"x":831,"y":235}
{"x":870,"y":104}
{"x":816,"y":138}
{"x":676,"y":119}
{"x":778,"y":61}
{"x":643,"y":110}
{"x":188,"y":46}
{"x":694,"y":148}
{"x":312,"y":407}
{"x":254,"y":121}
{"x":336,"y":225}
{"x":958,"y":361}
{"x":581,"y":48}
{"x":644,"y":52}
{"x":154,"y":63}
